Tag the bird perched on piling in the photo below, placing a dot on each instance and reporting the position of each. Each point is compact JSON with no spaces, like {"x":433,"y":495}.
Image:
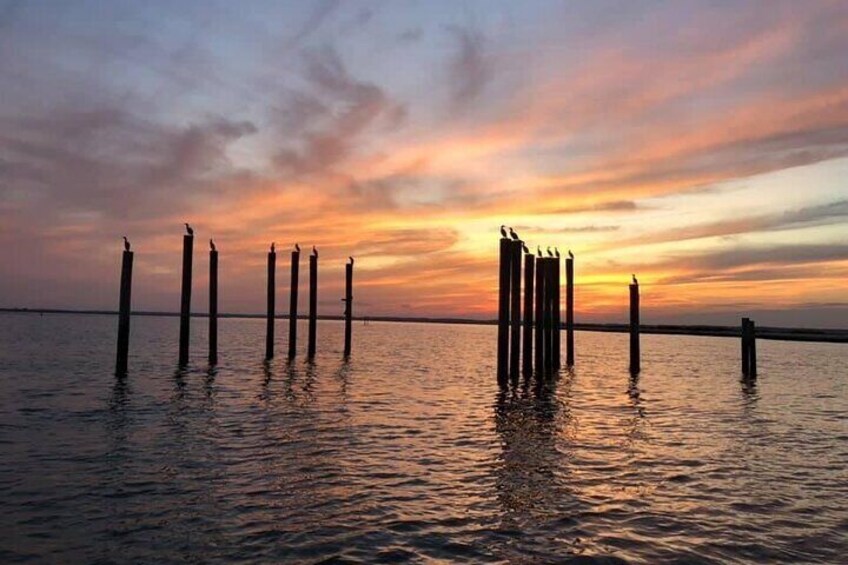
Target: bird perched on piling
{"x":212,"y":245}
{"x":570,"y":254}
{"x":351,"y":260}
{"x":524,"y":247}
{"x":273,"y":247}
{"x":513,"y":234}
{"x":314,"y":251}
{"x":126,"y":244}
{"x":539,"y":250}
{"x":503,"y":231}
{"x":188,"y":229}
{"x":634,"y":279}
{"x":549,"y":252}
{"x":297,"y":247}
{"x":556,"y":252}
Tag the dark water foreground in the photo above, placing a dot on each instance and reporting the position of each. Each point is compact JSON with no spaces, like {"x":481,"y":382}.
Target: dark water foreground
{"x":410,"y":453}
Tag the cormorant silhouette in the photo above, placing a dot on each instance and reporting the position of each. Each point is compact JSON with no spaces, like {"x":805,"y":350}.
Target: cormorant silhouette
{"x":188,"y":229}
{"x":570,"y":254}
{"x":212,"y":245}
{"x":524,"y":247}
{"x":556,"y":252}
{"x":549,"y":252}
{"x":503,"y":231}
{"x":314,"y":251}
{"x":539,"y":250}
{"x":513,"y":234}
{"x":126,"y":244}
{"x":634,"y":279}
{"x":351,"y":260}
{"x":297,"y":247}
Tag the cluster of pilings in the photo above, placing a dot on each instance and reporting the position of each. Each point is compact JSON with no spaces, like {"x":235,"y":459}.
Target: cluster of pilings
{"x":185,"y":303}
{"x":541,"y":321}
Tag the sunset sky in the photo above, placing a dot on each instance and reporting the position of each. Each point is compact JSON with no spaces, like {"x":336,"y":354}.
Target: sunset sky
{"x":701,"y":145}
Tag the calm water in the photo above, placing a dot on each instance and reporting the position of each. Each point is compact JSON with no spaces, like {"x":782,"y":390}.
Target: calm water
{"x":410,"y":453}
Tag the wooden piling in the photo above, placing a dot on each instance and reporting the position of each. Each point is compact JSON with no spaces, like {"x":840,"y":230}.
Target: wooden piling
{"x":503,"y":310}
{"x":515,"y":313}
{"x":124,"y":314}
{"x":213,"y":306}
{"x":313,"y":303}
{"x":529,"y":275}
{"x":752,"y":348}
{"x":557,"y":313}
{"x":295,"y":276}
{"x":569,"y":311}
{"x":635,"y":354}
{"x":272,"y":296}
{"x":348,"y":313}
{"x":540,"y":316}
{"x":550,"y":304}
{"x":185,"y":299}
{"x":746,"y":355}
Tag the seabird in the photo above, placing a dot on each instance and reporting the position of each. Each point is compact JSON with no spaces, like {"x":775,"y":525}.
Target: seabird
{"x":126,"y":244}
{"x":273,"y":247}
{"x":314,"y":251}
{"x":351,"y":260}
{"x":524,"y":247}
{"x":539,"y":250}
{"x":556,"y":252}
{"x":549,"y":252}
{"x":513,"y":234}
{"x":297,"y":247}
{"x":188,"y":229}
{"x":570,"y":254}
{"x":634,"y":279}
{"x":503,"y":231}
{"x":212,"y":245}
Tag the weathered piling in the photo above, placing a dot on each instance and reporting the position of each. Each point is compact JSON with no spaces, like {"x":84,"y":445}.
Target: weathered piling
{"x":635,"y":354}
{"x":185,"y":299}
{"x":529,"y":275}
{"x":515,"y":310}
{"x":540,"y":316}
{"x":569,"y":310}
{"x":503,"y":310}
{"x":348,"y":313}
{"x":295,"y":275}
{"x":272,"y":296}
{"x":313,"y":302}
{"x":557,"y":312}
{"x":124,"y":312}
{"x":749,"y":348}
{"x":550,"y":305}
{"x":213,"y":303}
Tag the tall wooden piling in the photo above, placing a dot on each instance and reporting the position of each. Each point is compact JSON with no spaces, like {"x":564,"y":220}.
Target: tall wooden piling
{"x":295,"y":275}
{"x":185,"y":299}
{"x":550,"y":305}
{"x":746,"y":355}
{"x":124,"y":314}
{"x":503,"y":310}
{"x":348,"y":313}
{"x":213,"y":304}
{"x":635,"y":354}
{"x":557,"y":313}
{"x":272,"y":296}
{"x":569,"y":311}
{"x":529,"y":275}
{"x":752,"y":348}
{"x":540,"y":316}
{"x":515,"y":311}
{"x":313,"y":302}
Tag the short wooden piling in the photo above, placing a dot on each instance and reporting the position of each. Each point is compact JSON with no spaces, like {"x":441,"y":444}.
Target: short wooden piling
{"x":313,"y":303}
{"x":635,"y":354}
{"x":569,"y":311}
{"x":124,"y":314}
{"x":213,"y":304}
{"x":529,"y":276}
{"x":557,"y":313}
{"x":746,"y":355}
{"x":515,"y":311}
{"x":540,"y":316}
{"x":348,"y":313}
{"x":271,"y":311}
{"x":752,"y":348}
{"x":503,"y":310}
{"x":185,"y":299}
{"x":295,"y":275}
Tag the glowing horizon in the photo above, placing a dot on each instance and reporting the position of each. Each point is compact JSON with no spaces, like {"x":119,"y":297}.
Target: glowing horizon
{"x":701,"y":146}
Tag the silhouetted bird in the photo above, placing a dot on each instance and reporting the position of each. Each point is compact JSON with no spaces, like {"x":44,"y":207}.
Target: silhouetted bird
{"x":549,"y":252}
{"x":351,"y":260}
{"x":538,"y":251}
{"x":212,"y":245}
{"x":126,"y":244}
{"x":297,"y":247}
{"x":524,"y":247}
{"x":273,"y":247}
{"x":314,"y":251}
{"x":570,"y":254}
{"x":188,"y":229}
{"x":556,"y":252}
{"x":503,"y":231}
{"x":634,"y":279}
{"x":513,"y":234}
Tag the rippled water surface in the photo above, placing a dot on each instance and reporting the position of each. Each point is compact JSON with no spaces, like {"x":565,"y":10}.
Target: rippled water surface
{"x":409,"y":452}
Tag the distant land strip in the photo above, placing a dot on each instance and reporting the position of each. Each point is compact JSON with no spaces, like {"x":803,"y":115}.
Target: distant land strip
{"x":763,"y":332}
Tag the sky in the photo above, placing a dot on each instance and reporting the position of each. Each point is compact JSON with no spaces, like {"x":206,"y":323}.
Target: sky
{"x":701,"y":145}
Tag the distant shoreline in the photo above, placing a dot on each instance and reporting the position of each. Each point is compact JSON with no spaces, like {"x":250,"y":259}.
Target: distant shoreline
{"x":763,"y":332}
